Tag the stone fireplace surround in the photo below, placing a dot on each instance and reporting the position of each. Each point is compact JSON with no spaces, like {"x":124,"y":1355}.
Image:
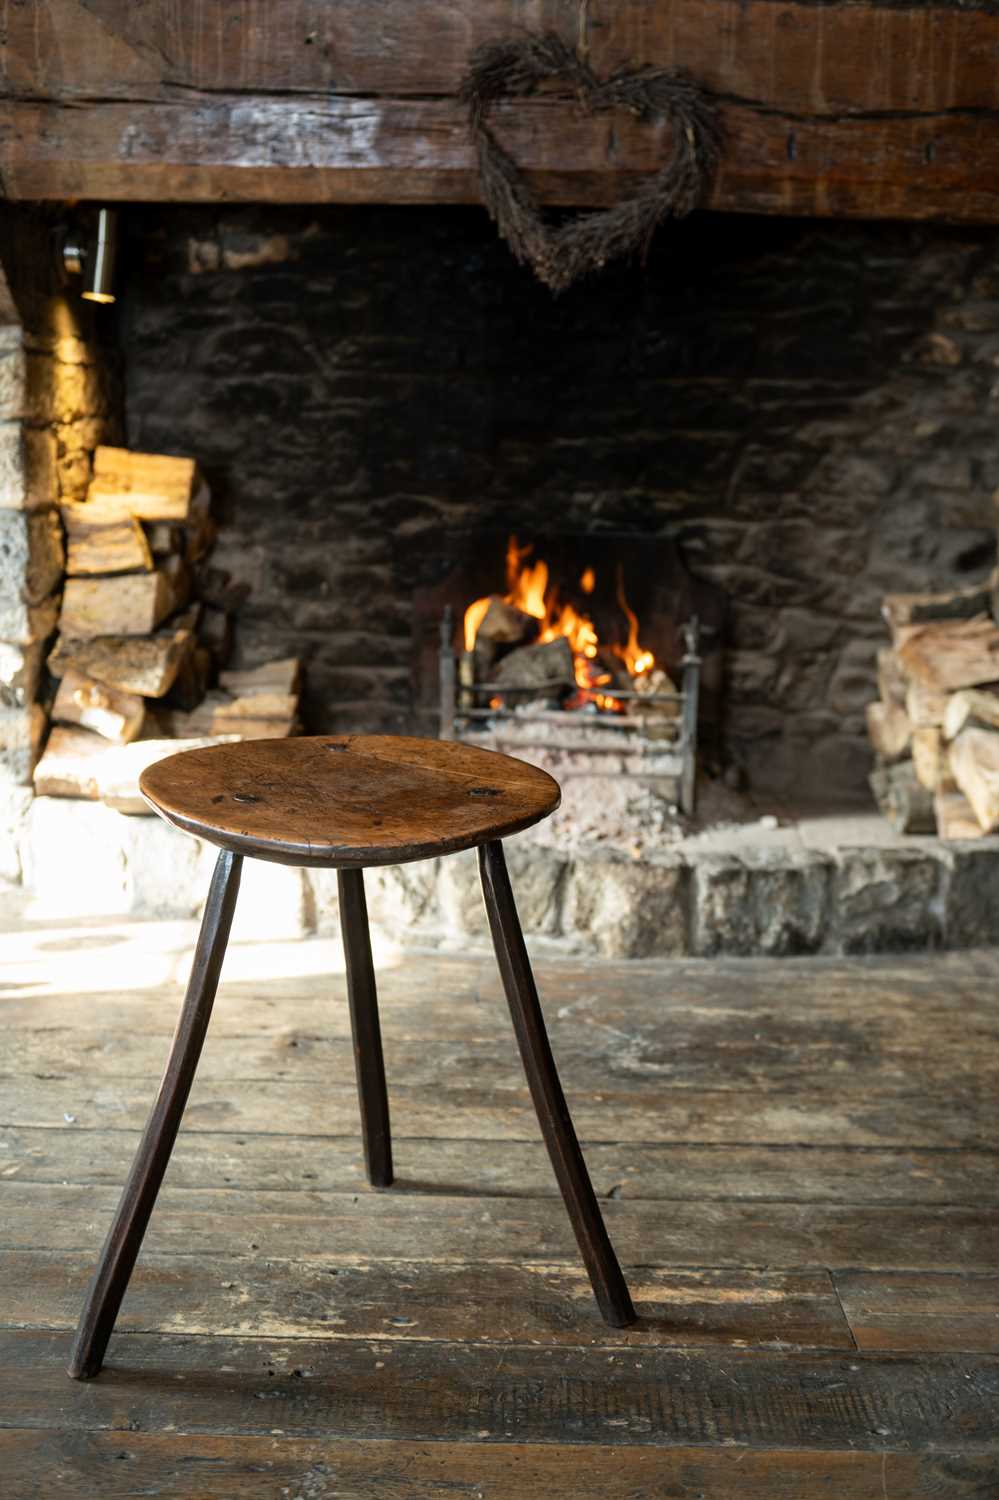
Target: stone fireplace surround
{"x":808,"y":412}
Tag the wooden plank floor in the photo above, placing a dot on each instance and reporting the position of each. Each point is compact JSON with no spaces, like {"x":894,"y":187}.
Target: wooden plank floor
{"x":798,"y":1162}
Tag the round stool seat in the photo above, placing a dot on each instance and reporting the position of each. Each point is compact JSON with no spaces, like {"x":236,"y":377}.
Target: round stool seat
{"x":348,"y":800}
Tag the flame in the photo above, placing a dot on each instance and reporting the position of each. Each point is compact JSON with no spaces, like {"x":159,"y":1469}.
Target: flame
{"x":528,"y":589}
{"x":635,"y":659}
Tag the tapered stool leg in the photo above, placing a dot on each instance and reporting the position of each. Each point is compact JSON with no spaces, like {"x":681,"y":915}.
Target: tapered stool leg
{"x":609,"y":1286}
{"x":126,"y":1233}
{"x":362,"y":995}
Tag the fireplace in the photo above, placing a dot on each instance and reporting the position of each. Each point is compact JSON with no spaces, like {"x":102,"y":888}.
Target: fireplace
{"x":762,"y":432}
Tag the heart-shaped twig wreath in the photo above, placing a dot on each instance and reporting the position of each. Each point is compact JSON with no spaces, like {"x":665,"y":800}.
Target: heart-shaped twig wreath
{"x":514,"y":69}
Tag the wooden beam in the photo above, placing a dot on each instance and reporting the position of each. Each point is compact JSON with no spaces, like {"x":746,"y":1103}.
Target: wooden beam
{"x":851,"y":110}
{"x":407,"y":151}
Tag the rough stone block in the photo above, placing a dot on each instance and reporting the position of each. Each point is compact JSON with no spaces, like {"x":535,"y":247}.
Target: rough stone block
{"x":537,"y":874}
{"x":12,"y":379}
{"x":21,"y":733}
{"x":626,"y":909}
{"x":20,"y":667}
{"x":27,"y":467}
{"x":274,"y":904}
{"x":886,"y":900}
{"x":402,"y":899}
{"x":972,"y":900}
{"x":15,"y":807}
{"x":723,"y":919}
{"x":76,"y":858}
{"x":790,"y":901}
{"x":460,"y":896}
{"x":167,"y":872}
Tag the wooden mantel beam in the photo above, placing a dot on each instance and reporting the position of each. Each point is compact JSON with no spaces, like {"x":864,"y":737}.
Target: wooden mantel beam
{"x":861,"y":109}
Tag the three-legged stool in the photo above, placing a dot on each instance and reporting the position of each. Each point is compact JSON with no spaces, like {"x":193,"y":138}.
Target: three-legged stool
{"x":348,"y":802}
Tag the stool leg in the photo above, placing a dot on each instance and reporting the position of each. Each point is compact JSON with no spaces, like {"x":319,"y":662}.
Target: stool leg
{"x":363,"y":998}
{"x":609,"y":1286}
{"x":139,"y":1196}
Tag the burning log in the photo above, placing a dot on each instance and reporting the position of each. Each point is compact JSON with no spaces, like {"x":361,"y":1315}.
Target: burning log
{"x":648,"y":684}
{"x":147,"y":665}
{"x":532,"y":672}
{"x":93,"y":705}
{"x":501,"y":628}
{"x":974,"y":764}
{"x":890,"y":730}
{"x":970,"y":709}
{"x":906,"y":804}
{"x":103,"y":538}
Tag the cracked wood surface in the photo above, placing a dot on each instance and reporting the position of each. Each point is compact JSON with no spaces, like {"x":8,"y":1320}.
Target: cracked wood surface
{"x":867,"y":110}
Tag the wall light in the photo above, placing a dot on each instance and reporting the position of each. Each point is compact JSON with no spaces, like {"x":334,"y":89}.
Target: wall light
{"x":91,"y":255}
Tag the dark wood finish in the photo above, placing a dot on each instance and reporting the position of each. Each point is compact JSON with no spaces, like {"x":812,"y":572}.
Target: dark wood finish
{"x":915,"y":1311}
{"x":117,"y":1466}
{"x":831,"y":109}
{"x":434,"y":1389}
{"x":609,"y":1286}
{"x":139,"y":1197}
{"x":348,"y":800}
{"x":362,"y":997}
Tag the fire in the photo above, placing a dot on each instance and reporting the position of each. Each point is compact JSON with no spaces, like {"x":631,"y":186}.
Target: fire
{"x":528,"y":589}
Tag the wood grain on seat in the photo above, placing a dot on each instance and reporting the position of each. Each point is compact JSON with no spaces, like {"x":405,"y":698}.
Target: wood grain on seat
{"x":348,"y":800}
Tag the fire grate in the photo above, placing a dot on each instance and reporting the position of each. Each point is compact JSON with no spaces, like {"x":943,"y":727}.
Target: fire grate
{"x":467,"y":704}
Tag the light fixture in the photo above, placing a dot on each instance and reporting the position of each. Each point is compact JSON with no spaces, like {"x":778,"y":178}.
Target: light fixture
{"x":91,"y":255}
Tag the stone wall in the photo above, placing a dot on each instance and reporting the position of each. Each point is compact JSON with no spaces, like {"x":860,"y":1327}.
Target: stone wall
{"x":57,"y":400}
{"x":811,"y":410}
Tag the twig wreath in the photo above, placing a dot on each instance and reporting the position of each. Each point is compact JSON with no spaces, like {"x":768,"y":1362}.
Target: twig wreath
{"x":514,"y":69}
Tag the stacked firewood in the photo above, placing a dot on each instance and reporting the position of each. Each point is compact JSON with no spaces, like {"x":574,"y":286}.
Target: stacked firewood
{"x":935,"y":729}
{"x":145,"y":635}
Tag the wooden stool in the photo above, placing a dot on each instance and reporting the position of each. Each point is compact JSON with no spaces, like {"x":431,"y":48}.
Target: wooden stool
{"x":348,"y":802}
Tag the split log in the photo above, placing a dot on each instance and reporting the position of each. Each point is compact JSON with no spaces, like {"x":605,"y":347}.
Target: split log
{"x":102,"y":537}
{"x":118,"y":774}
{"x":924,"y":707}
{"x":258,"y":716}
{"x":955,"y":817}
{"x":951,"y":655}
{"x":970,"y":709}
{"x":929,"y":760}
{"x":533,"y":672}
{"x":280,"y":676}
{"x":93,"y":705}
{"x":889,"y":729}
{"x":126,"y":604}
{"x":69,"y":765}
{"x":191,"y":683}
{"x":974,"y":764}
{"x":215,"y":586}
{"x":177,"y":576}
{"x":153,"y":486}
{"x":215,"y":632}
{"x":165,"y":538}
{"x":900,"y":610}
{"x":891,"y":682}
{"x":907,"y":806}
{"x":147,"y":665}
